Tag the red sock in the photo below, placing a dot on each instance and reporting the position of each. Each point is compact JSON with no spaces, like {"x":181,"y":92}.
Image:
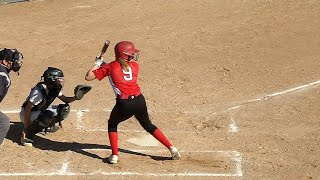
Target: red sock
{"x":113,"y":137}
{"x":158,"y":135}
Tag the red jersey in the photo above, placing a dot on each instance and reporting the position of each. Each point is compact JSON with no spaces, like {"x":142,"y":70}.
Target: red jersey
{"x":123,"y":83}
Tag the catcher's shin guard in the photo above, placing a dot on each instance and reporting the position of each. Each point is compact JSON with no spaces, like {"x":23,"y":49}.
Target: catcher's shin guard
{"x":33,"y":129}
{"x":63,"y":111}
{"x":42,"y":122}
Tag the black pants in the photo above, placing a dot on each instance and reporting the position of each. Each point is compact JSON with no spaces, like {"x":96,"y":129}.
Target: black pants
{"x":126,"y":108}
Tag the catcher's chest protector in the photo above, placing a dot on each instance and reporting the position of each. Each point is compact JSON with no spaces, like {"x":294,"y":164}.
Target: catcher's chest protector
{"x":47,"y":98}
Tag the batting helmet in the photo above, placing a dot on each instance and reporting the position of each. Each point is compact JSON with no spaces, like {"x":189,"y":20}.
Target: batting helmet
{"x":14,"y":56}
{"x":126,"y":50}
{"x":53,"y":77}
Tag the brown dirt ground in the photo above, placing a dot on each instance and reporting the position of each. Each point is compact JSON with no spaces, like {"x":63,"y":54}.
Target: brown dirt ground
{"x":198,"y":59}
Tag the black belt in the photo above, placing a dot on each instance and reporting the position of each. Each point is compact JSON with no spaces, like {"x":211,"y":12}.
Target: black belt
{"x":130,"y":97}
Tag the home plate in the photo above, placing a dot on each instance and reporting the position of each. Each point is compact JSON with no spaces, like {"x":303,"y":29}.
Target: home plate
{"x":146,"y":140}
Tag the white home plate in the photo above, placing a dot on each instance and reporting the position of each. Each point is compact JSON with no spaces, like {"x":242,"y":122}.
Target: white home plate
{"x":146,"y":140}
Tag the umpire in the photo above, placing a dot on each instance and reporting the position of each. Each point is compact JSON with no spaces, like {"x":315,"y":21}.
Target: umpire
{"x":10,"y":59}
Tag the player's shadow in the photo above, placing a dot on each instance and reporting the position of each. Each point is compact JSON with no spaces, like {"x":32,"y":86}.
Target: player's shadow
{"x":82,"y":148}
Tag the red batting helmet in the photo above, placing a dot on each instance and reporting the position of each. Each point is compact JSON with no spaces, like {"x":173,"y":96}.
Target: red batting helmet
{"x":126,"y":50}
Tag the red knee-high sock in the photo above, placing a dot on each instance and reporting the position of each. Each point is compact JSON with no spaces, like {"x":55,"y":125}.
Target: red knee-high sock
{"x":158,"y":135}
{"x":113,"y":137}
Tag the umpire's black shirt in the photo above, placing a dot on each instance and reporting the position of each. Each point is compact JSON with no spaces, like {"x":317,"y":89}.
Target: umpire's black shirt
{"x":4,"y":81}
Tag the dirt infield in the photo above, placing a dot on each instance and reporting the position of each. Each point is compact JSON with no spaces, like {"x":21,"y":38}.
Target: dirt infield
{"x":233,"y":84}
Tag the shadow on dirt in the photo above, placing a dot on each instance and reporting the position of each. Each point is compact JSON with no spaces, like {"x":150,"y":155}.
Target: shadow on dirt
{"x":82,"y":148}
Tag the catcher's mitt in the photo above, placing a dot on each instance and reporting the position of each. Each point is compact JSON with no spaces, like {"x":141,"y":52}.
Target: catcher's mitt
{"x":81,"y":90}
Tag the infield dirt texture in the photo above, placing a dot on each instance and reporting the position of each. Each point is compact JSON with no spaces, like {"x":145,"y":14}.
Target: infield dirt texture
{"x":233,"y":84}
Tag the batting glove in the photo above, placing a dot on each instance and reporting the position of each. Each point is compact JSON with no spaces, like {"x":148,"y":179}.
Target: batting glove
{"x":99,"y":61}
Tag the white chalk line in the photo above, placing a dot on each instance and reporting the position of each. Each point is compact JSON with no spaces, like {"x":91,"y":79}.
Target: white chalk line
{"x":233,"y":155}
{"x":144,"y":131}
{"x":65,"y":164}
{"x":263,"y":98}
{"x":79,"y":123}
{"x":237,"y":157}
{"x":16,"y":111}
{"x":80,"y":7}
{"x":233,"y":127}
{"x":80,"y":113}
{"x":266,"y":97}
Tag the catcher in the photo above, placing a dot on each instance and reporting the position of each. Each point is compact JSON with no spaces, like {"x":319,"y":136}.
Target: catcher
{"x":123,"y":76}
{"x":37,"y":113}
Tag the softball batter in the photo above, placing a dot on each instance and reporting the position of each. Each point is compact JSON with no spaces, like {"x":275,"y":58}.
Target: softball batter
{"x":123,"y":74}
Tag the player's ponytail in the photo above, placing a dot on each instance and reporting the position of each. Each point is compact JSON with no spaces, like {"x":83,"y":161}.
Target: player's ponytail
{"x":124,"y":64}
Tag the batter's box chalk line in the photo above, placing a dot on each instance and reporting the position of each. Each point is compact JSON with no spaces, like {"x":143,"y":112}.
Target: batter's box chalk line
{"x":80,"y":120}
{"x":234,"y":156}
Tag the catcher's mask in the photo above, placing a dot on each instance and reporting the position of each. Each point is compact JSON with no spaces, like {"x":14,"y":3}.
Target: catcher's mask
{"x":53,"y":77}
{"x":14,"y":57}
{"x":126,"y":50}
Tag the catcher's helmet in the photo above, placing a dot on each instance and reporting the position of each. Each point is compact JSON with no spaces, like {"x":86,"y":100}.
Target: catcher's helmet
{"x":14,"y":56}
{"x":126,"y":50}
{"x":53,"y":77}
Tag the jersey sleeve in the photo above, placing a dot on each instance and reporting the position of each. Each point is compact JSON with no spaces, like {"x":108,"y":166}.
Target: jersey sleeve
{"x":36,"y":96}
{"x":102,"y":72}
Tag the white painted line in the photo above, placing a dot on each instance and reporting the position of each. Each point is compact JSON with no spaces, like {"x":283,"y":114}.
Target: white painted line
{"x":234,"y":107}
{"x":238,"y":159}
{"x":122,"y":174}
{"x":141,"y":131}
{"x":64,"y":168}
{"x":80,"y":7}
{"x":233,"y":127}
{"x":80,"y":118}
{"x":65,"y":164}
{"x":234,"y":155}
{"x":293,"y":89}
{"x":61,"y":171}
{"x":18,"y":111}
{"x":11,"y":111}
{"x":264,"y":98}
{"x":79,"y":123}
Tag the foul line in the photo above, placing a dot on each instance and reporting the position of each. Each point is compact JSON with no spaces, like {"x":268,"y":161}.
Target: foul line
{"x":268,"y":96}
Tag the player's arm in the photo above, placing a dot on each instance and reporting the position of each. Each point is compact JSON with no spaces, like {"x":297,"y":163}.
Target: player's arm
{"x":66,"y":99}
{"x":90,"y":75}
{"x":105,"y":68}
{"x":27,"y":115}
